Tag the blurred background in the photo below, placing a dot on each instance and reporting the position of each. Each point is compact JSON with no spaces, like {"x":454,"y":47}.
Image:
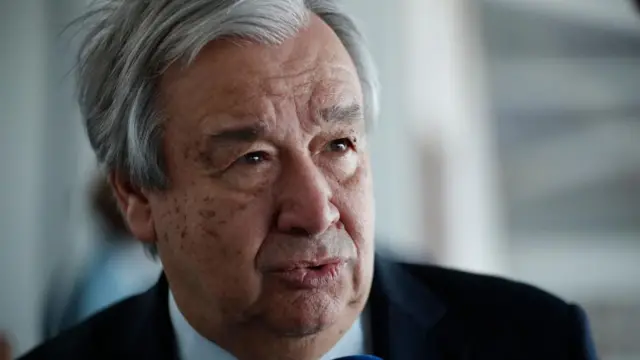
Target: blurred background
{"x":509,"y":144}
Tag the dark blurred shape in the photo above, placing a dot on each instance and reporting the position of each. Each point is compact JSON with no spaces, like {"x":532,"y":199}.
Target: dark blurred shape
{"x":118,"y":268}
{"x":5,"y":348}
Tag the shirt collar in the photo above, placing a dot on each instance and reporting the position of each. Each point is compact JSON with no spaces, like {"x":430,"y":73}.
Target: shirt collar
{"x":193,"y":346}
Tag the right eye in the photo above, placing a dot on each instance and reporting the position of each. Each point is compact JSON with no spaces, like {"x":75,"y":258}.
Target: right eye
{"x":253,"y":158}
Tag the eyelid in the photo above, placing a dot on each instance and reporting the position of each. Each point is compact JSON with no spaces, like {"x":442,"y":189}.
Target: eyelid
{"x":245,"y":158}
{"x":258,"y":146}
{"x":353,"y":140}
{"x":269,"y":152}
{"x":348,"y":141}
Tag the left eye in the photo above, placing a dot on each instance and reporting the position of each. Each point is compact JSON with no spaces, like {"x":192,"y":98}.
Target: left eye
{"x":340,"y":145}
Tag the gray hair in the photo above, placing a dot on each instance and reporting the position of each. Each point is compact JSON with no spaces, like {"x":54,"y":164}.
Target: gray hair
{"x":130,"y":43}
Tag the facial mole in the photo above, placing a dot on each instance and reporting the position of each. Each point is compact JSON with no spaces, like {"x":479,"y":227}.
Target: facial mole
{"x":209,"y":214}
{"x":211,"y":233}
{"x":203,"y":158}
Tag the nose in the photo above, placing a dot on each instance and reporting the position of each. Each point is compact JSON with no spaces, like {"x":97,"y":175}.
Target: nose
{"x":305,"y":200}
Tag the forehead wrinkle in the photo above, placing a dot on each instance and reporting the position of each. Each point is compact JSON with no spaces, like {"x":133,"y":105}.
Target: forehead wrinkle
{"x":285,"y":73}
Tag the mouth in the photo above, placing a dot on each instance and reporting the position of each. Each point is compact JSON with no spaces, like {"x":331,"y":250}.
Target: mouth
{"x":309,"y":265}
{"x":309,"y":274}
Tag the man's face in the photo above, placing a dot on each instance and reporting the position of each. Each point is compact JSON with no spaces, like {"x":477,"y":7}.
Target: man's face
{"x":268,"y":222}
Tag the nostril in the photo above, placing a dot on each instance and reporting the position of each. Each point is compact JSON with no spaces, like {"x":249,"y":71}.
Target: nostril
{"x":298,"y":231}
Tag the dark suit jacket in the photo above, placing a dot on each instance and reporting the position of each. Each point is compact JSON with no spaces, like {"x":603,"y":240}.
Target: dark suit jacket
{"x":417,"y":312}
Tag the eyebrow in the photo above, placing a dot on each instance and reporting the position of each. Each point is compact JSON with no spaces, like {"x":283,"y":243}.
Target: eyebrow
{"x":348,"y":114}
{"x":247,"y":133}
{"x":341,"y":113}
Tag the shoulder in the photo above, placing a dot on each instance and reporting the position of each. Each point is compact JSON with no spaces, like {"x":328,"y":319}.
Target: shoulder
{"x":490,"y":296}
{"x":463,"y":288}
{"x":99,"y":337}
{"x":491,"y":307}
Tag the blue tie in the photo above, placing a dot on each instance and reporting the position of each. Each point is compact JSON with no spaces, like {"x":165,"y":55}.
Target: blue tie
{"x":359,"y":357}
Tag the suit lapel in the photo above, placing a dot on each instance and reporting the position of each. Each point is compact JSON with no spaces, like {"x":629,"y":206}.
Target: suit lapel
{"x":408,"y":321}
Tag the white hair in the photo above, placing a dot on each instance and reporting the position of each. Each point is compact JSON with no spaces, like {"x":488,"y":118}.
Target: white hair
{"x":130,"y":43}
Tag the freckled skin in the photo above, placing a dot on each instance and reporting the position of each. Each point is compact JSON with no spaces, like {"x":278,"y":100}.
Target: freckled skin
{"x":225,"y":218}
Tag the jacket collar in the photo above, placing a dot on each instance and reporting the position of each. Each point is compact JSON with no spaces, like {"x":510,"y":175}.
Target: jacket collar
{"x":410,"y":321}
{"x":153,"y":335}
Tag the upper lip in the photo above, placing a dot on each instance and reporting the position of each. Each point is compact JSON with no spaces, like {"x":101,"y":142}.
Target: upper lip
{"x":304,"y":264}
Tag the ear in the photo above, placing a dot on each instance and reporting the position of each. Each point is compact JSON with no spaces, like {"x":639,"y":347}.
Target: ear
{"x":135,"y":207}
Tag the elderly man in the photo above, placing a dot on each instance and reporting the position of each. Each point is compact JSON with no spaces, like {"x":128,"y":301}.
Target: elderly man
{"x":234,"y":135}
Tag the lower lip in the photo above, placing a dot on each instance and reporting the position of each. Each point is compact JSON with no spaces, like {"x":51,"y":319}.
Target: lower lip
{"x":310,"y":277}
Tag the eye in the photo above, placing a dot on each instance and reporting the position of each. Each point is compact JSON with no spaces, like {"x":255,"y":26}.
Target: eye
{"x":253,"y":158}
{"x":340,"y":145}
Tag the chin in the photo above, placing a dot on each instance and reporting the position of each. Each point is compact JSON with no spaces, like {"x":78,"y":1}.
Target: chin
{"x":306,"y":315}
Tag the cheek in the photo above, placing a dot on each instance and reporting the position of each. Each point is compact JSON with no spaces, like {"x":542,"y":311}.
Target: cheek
{"x":208,"y":246}
{"x":354,"y":200}
{"x":215,"y":234}
{"x":170,"y":220}
{"x":233,"y":227}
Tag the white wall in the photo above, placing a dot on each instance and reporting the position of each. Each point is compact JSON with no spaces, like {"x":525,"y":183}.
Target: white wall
{"x":599,"y":269}
{"x":22,"y":107}
{"x":40,"y":152}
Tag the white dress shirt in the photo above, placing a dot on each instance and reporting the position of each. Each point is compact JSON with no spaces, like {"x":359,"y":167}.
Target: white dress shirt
{"x":193,"y":346}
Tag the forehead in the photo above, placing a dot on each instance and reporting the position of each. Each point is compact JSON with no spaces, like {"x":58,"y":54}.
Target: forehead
{"x":228,"y":77}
